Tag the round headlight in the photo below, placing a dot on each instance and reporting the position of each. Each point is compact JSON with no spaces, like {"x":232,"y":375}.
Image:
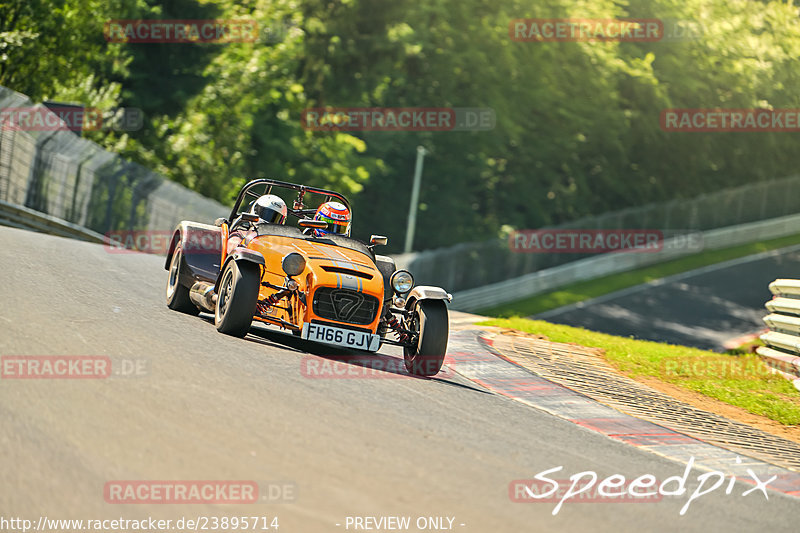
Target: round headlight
{"x":293,"y":264}
{"x":402,"y":281}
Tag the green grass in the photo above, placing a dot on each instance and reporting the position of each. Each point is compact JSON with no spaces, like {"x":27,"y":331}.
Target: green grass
{"x":584,"y":290}
{"x":750,"y":388}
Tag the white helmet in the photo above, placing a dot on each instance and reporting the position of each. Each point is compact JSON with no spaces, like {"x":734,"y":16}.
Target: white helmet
{"x":269,"y":208}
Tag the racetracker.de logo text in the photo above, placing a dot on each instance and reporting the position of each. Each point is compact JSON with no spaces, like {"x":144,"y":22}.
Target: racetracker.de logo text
{"x":399,"y":119}
{"x":585,"y":241}
{"x":730,"y":120}
{"x":41,"y":118}
{"x":181,"y":31}
{"x":71,"y":367}
{"x":158,"y":242}
{"x":358,"y":367}
{"x":580,"y":29}
{"x":191,"y":492}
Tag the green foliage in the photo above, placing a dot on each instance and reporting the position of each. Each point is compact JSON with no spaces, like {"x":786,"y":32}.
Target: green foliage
{"x":577,"y":129}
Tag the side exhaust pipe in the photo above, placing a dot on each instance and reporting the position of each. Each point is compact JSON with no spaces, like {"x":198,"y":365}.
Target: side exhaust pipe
{"x":203,"y":296}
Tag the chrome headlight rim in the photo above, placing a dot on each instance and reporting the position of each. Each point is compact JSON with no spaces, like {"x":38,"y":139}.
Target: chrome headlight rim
{"x":293,"y":264}
{"x":401,"y":281}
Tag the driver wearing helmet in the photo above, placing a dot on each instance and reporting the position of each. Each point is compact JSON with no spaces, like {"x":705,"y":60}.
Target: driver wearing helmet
{"x":337,"y":215}
{"x":269,"y":208}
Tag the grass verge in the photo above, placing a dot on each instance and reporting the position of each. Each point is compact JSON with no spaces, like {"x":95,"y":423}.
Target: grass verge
{"x":739,"y":380}
{"x":584,"y":290}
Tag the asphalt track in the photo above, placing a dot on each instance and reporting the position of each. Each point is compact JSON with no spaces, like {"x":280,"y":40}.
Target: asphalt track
{"x":211,"y":407}
{"x":702,"y":308}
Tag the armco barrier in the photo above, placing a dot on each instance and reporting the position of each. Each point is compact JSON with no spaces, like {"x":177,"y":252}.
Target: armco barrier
{"x":611,"y":263}
{"x":21,"y":217}
{"x":782,"y":350}
{"x":71,"y":179}
{"x":471,"y":265}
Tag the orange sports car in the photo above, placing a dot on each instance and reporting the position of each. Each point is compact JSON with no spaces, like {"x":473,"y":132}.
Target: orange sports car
{"x":322,"y":286}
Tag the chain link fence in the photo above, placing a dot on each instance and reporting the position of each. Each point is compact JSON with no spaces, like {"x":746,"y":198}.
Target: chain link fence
{"x":60,"y":174}
{"x":470,"y":265}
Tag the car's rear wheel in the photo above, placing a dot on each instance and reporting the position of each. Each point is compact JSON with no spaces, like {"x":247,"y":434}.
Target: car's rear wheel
{"x":237,"y":298}
{"x":429,"y":319}
{"x":177,"y":294}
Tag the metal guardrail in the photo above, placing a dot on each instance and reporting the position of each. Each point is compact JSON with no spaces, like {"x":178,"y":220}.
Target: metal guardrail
{"x":611,"y":263}
{"x":61,"y":175}
{"x":466,"y":266}
{"x":17,"y":216}
{"x":782,"y":350}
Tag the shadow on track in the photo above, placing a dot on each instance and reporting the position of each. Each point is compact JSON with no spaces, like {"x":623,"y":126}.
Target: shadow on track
{"x":370,"y":363}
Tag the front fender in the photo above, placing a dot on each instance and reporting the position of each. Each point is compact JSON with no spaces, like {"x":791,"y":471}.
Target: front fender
{"x":426,"y":292}
{"x":241,"y":255}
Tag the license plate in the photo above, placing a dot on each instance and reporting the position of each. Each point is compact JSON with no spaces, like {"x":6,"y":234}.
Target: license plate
{"x":360,"y":340}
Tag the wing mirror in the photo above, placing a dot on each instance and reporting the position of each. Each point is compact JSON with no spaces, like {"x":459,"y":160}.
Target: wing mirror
{"x":378,"y":240}
{"x":220,"y":221}
{"x":313,"y":224}
{"x":249,"y":217}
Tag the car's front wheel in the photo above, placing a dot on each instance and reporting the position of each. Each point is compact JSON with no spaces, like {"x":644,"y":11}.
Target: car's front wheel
{"x":429,"y":320}
{"x":177,"y":294}
{"x":237,"y":298}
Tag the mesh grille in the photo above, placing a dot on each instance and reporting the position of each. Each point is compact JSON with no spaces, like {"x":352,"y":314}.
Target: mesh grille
{"x":344,"y":305}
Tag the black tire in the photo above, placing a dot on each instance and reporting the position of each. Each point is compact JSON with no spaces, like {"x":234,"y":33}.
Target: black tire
{"x":430,"y":319}
{"x":177,"y":293}
{"x":237,"y":298}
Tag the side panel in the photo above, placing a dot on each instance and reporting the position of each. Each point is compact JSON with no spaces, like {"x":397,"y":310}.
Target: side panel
{"x":202,"y":248}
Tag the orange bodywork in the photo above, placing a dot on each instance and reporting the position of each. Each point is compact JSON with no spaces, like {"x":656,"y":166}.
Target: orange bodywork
{"x":326,"y":266}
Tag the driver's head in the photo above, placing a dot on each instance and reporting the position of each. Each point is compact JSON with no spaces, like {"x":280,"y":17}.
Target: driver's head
{"x":336,"y":215}
{"x":269,"y":208}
